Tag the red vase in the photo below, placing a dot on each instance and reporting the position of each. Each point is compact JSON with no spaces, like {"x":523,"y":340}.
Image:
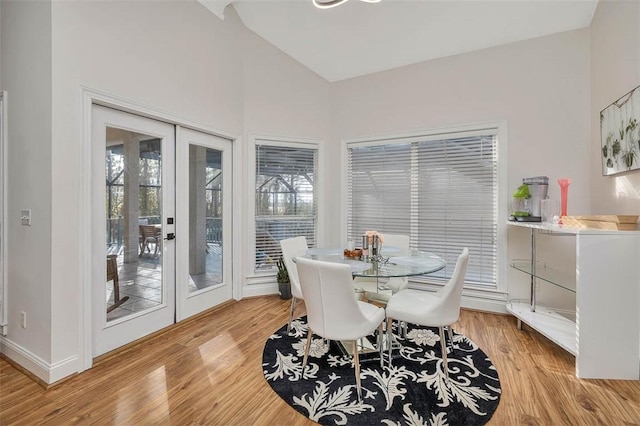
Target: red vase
{"x":564,"y":189}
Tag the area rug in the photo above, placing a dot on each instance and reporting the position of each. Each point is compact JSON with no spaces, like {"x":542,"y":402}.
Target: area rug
{"x":413,"y":391}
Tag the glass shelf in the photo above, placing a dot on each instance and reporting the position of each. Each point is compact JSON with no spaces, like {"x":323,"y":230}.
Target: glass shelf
{"x":558,"y":278}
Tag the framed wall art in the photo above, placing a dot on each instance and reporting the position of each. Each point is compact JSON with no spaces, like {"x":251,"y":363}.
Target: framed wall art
{"x":620,"y":134}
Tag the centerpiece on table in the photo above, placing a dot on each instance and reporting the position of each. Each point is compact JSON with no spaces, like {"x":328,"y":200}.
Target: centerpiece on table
{"x":372,"y":241}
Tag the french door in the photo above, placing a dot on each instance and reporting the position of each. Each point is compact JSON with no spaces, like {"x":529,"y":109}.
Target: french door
{"x":203,"y":196}
{"x":136,"y":229}
{"x":133,"y":211}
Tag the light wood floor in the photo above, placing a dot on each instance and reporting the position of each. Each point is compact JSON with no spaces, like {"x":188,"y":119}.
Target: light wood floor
{"x":209,"y":372}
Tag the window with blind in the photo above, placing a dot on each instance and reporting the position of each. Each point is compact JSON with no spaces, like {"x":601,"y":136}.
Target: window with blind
{"x":285,"y":198}
{"x":441,"y":190}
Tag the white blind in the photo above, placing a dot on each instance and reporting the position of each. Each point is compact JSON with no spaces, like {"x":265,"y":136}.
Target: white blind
{"x":441,"y":191}
{"x":285,"y":199}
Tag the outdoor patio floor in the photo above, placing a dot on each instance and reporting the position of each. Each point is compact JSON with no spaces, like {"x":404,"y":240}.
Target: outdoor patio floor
{"x":142,"y":281}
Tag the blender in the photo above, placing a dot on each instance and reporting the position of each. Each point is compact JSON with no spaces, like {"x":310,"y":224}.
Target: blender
{"x":538,"y":187}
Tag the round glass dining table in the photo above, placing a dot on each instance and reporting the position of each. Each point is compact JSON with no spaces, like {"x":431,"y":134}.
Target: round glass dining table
{"x":387,"y":266}
{"x":390,"y":264}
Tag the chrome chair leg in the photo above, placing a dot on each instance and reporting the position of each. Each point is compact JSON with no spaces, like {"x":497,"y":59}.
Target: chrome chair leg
{"x":380,"y":344}
{"x":443,"y":347}
{"x":389,"y":337}
{"x":356,"y":366}
{"x":306,"y":351}
{"x":293,"y":307}
{"x":450,"y":332}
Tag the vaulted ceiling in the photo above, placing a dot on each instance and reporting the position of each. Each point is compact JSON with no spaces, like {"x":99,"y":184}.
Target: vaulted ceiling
{"x":359,"y":38}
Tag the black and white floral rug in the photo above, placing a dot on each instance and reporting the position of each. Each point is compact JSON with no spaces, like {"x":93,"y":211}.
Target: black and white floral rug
{"x":413,"y":391}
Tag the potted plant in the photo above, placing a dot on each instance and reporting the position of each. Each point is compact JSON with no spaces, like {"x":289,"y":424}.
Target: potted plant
{"x":284,"y":285}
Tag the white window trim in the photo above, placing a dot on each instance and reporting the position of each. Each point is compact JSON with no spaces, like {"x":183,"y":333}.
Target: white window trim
{"x":268,"y":277}
{"x":500,"y":292}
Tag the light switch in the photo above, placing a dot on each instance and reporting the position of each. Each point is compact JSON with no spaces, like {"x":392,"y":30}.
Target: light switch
{"x":25,"y":217}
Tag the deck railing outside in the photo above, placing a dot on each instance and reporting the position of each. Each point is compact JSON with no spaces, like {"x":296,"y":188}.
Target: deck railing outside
{"x":115,"y":227}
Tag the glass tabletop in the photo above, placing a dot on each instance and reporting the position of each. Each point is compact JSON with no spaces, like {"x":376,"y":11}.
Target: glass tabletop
{"x":415,"y":263}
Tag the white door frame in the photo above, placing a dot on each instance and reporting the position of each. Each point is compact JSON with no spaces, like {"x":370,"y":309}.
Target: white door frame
{"x":89,"y":97}
{"x":4,"y":311}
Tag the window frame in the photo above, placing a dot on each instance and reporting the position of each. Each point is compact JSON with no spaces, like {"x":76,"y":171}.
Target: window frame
{"x":254,"y":275}
{"x":4,"y":310}
{"x":499,"y":292}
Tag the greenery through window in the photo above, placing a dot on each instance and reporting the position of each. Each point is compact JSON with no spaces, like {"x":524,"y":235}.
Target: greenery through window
{"x":285,"y":200}
{"x":149,"y":189}
{"x":213,"y":195}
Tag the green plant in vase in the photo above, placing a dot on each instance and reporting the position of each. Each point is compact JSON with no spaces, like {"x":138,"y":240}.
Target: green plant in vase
{"x":615,"y":148}
{"x":606,"y":149}
{"x":284,"y":284}
{"x":629,"y":158}
{"x":630,"y":129}
{"x":520,"y":201}
{"x":610,"y":151}
{"x":633,"y":124}
{"x":630,"y":155}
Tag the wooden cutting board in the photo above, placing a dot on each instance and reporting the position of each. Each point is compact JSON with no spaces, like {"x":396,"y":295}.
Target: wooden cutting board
{"x":612,"y":222}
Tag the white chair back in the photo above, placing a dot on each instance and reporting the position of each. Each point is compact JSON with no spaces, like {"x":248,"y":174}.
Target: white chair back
{"x":447,"y":310}
{"x":292,"y":247}
{"x":395,"y":240}
{"x":401,"y":242}
{"x":332,"y":308}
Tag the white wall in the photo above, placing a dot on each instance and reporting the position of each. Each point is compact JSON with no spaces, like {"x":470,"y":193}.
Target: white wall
{"x":282,"y":98}
{"x":26,"y":76}
{"x":615,"y":70}
{"x":540,"y":87}
{"x":173,"y":57}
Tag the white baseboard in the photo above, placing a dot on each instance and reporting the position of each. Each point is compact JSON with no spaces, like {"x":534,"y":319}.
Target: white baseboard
{"x":65,"y":368}
{"x":473,"y":298}
{"x":261,"y":289}
{"x":487,"y":305}
{"x":48,"y":373}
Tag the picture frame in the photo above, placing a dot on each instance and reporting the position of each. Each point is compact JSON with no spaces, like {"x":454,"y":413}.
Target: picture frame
{"x":620,"y":134}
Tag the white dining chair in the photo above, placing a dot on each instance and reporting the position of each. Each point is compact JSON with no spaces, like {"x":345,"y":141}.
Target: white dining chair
{"x":440,"y":309}
{"x":381,"y":292}
{"x":333,"y":312}
{"x":292,"y":247}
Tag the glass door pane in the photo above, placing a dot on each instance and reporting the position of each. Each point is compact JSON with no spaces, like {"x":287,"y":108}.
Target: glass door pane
{"x":133,"y":172}
{"x":205,"y":218}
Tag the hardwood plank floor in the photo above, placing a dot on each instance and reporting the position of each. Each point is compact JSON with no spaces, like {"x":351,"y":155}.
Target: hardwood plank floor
{"x":209,"y":371}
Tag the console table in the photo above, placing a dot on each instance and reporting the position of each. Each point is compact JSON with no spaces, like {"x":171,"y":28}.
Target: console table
{"x":605,"y":338}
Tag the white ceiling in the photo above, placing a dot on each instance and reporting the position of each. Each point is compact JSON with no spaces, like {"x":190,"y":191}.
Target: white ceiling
{"x":359,"y":38}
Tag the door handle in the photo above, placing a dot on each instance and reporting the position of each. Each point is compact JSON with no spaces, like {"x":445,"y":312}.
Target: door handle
{"x":171,"y":236}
